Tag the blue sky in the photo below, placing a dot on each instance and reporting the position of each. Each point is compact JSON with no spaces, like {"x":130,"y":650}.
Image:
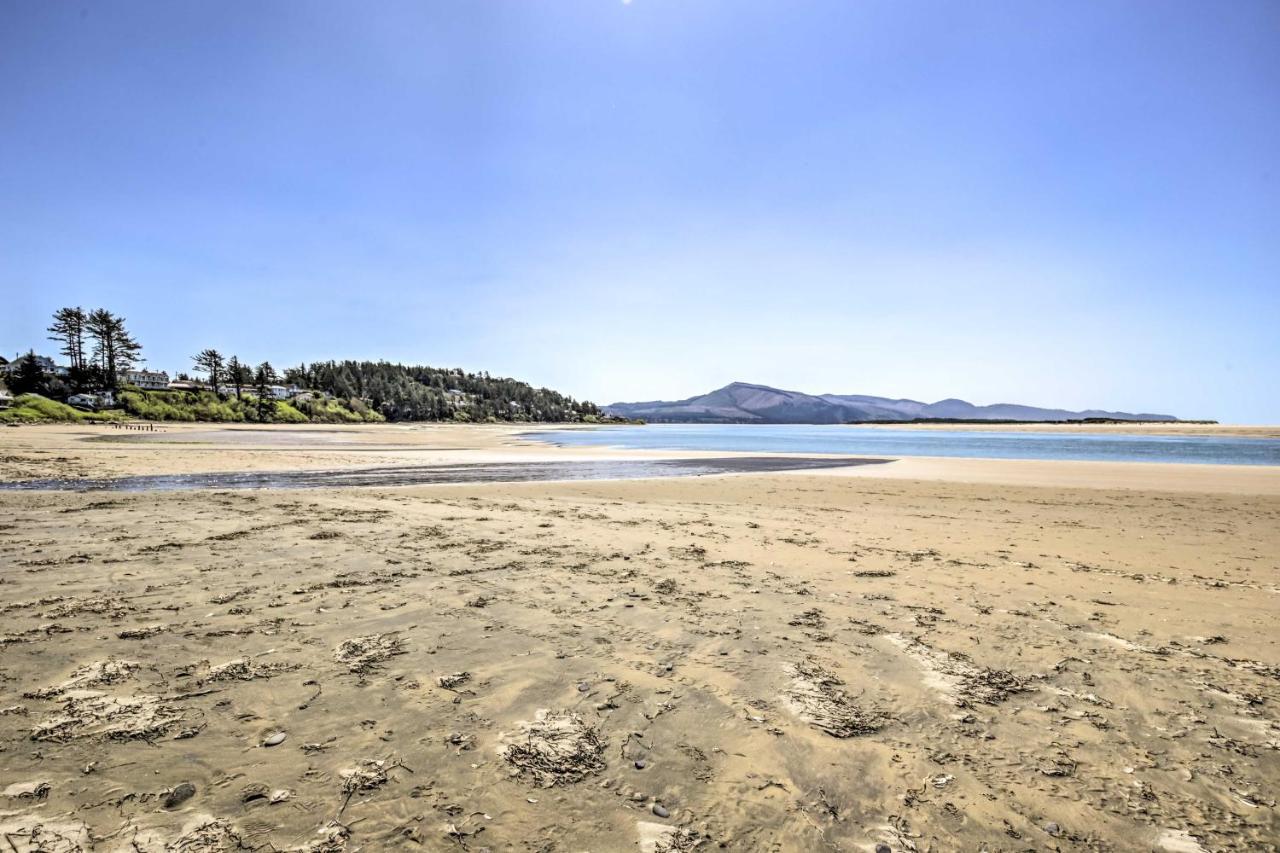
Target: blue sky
{"x":1056,"y":203}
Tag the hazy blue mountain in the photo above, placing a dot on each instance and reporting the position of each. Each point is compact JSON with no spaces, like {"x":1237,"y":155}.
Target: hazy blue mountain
{"x":743,"y":402}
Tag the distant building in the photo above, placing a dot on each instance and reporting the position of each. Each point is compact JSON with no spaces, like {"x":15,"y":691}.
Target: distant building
{"x":185,"y":385}
{"x":83,"y":401}
{"x":46,"y":365}
{"x":285,"y":392}
{"x":148,"y":380}
{"x":93,"y":402}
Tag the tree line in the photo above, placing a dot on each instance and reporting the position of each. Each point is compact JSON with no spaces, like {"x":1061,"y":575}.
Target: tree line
{"x":233,"y":373}
{"x":99,"y":349}
{"x":419,"y":393}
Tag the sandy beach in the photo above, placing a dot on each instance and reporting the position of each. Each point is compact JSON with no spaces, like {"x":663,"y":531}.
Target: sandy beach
{"x":928,"y":654}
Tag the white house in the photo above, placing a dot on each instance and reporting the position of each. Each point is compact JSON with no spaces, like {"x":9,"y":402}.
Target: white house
{"x":148,"y":380}
{"x":92,"y":402}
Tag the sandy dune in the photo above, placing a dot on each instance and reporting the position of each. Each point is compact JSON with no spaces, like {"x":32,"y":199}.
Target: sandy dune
{"x":935,"y":657}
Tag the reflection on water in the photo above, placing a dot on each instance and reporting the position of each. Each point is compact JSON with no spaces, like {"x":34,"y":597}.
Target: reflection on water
{"x":424,"y":475}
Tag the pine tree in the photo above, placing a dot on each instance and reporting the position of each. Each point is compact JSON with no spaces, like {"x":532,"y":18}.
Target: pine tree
{"x":210,"y":361}
{"x":68,"y":328}
{"x":263,"y":379}
{"x":238,"y":375}
{"x":114,"y":349}
{"x":29,"y":377}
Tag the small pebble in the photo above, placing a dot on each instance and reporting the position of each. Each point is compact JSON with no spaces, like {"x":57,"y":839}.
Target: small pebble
{"x":583,"y":687}
{"x":883,"y":848}
{"x":1053,"y":829}
{"x":640,"y":763}
{"x":660,"y":810}
{"x":275,"y":739}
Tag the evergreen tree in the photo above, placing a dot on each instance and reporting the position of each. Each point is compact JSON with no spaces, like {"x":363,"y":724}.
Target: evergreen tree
{"x":68,"y":329}
{"x":114,"y":349}
{"x":239,"y":375}
{"x":29,"y":377}
{"x":263,"y":379}
{"x":210,"y":361}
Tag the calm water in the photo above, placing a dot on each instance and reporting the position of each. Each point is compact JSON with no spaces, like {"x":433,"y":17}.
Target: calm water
{"x":426,"y":475}
{"x":910,"y":442}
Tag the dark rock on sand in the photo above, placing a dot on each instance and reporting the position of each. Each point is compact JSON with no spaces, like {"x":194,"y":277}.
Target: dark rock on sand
{"x":254,"y":791}
{"x":179,"y":795}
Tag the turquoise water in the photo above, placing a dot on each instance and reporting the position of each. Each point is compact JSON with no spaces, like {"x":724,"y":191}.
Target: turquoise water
{"x":1207,"y":450}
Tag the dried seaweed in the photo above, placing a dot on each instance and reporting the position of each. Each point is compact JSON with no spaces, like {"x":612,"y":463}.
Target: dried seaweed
{"x":96,"y":674}
{"x":558,"y":749}
{"x":680,"y":840}
{"x":457,"y":679}
{"x":107,"y":717}
{"x":243,"y":669}
{"x":818,"y":698}
{"x":812,"y":618}
{"x":214,"y":836}
{"x":363,"y":655}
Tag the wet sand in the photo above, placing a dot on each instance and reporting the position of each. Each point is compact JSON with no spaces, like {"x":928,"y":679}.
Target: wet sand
{"x":926,"y":654}
{"x":434,"y":475}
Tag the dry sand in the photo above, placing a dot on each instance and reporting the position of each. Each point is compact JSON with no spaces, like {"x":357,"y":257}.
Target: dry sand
{"x":931,"y":654}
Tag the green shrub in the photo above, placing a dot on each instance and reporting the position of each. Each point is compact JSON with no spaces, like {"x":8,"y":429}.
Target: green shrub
{"x":287,"y":414}
{"x":34,"y":408}
{"x":326,"y":411}
{"x":331,"y":411}
{"x":190,"y":406}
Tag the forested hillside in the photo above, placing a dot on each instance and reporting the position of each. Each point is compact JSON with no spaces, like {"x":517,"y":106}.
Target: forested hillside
{"x":415,"y":393}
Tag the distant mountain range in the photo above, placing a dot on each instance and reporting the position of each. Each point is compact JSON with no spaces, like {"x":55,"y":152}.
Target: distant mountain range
{"x":742,"y":402}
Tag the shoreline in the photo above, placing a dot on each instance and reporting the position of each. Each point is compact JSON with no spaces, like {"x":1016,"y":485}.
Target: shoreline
{"x":70,"y":452}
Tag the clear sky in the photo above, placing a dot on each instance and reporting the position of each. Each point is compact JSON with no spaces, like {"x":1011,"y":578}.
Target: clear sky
{"x":1057,"y":203}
